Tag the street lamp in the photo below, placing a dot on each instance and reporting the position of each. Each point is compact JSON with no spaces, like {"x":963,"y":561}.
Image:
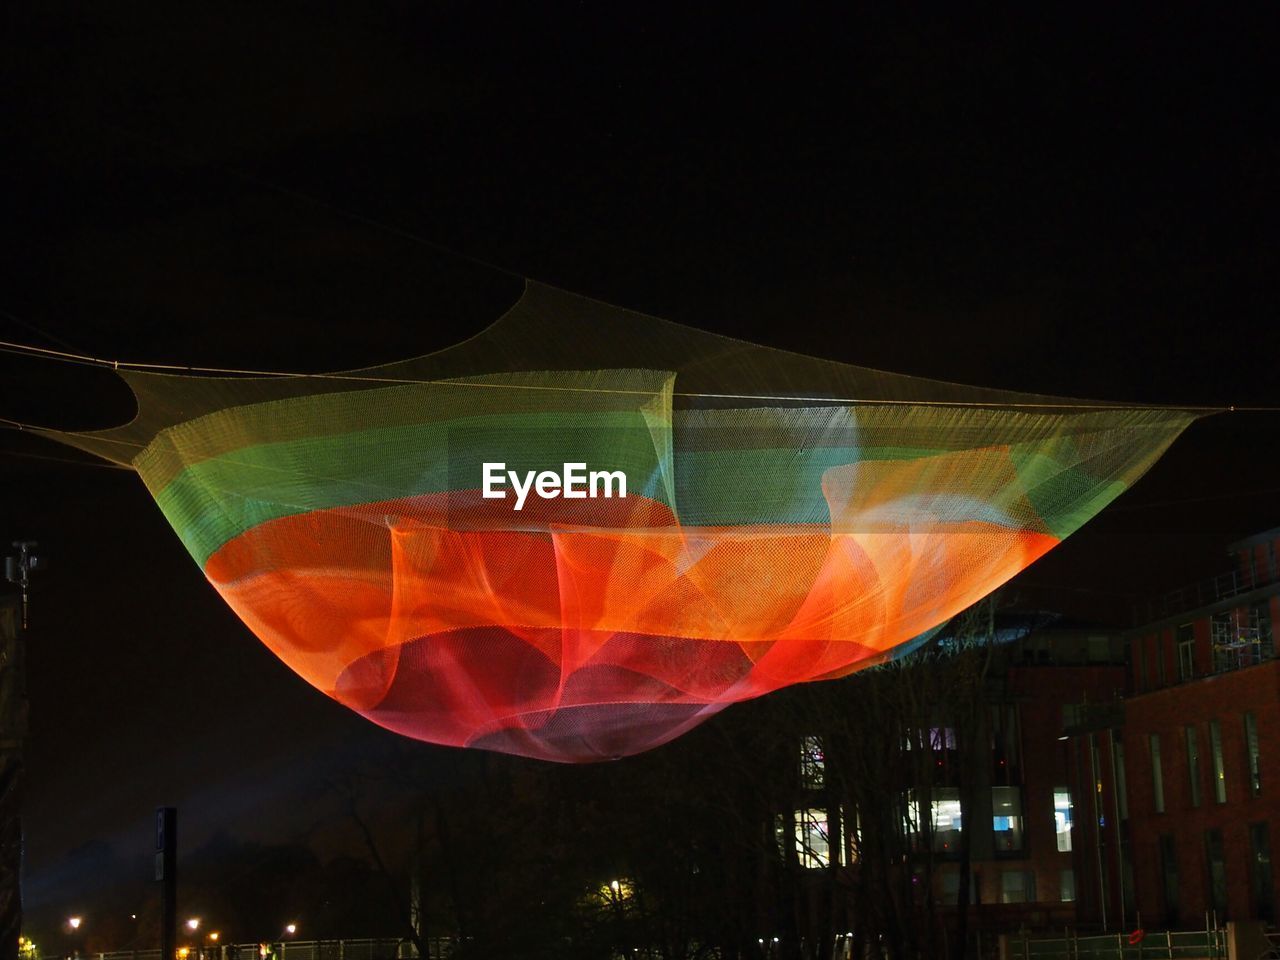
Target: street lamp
{"x":193,"y":925}
{"x":291,"y":929}
{"x":74,"y":922}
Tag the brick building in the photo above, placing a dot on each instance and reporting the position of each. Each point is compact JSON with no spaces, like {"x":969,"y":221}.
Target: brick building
{"x":1182,"y":811}
{"x":1128,"y":782}
{"x":1025,"y":851}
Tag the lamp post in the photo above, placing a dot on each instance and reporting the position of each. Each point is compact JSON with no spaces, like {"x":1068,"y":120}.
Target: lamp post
{"x":13,"y":730}
{"x":74,"y":923}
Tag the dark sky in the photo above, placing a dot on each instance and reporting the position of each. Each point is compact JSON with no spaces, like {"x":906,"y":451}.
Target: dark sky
{"x":1069,"y":203}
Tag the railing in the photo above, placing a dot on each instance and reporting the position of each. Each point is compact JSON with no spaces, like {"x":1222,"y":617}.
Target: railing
{"x":365,"y":949}
{"x":1167,"y":945}
{"x":1199,"y":594}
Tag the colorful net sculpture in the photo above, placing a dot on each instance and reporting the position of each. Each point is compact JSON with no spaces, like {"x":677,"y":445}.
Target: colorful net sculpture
{"x":785,"y":519}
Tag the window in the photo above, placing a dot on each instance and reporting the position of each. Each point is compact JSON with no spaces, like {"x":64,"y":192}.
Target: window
{"x":1215,"y":757}
{"x":1072,"y":715}
{"x":1160,"y":677}
{"x":813,"y":764}
{"x":813,"y":839}
{"x":1006,"y":758}
{"x":1186,"y":652}
{"x":1264,"y":898}
{"x":1169,"y":874}
{"x":850,"y":836}
{"x":805,"y":833}
{"x":1217,"y":872}
{"x":1006,"y":817}
{"x":1066,"y":885}
{"x":1062,"y":817}
{"x":934,"y":738}
{"x":946,"y":819}
{"x":1157,"y":772}
{"x":1193,"y":765}
{"x":1017,"y":886}
{"x":944,"y":815}
{"x":1251,"y":754}
{"x":1099,"y":649}
{"x":951,"y":887}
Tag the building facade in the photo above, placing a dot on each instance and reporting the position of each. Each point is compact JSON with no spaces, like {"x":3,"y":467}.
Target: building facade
{"x":1122,"y":779}
{"x":1022,"y":810}
{"x":1184,"y":756}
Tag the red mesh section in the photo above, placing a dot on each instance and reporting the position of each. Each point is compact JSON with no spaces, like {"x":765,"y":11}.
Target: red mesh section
{"x":584,"y":642}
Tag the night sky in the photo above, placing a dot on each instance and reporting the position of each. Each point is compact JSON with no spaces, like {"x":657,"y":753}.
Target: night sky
{"x":1073,"y":204}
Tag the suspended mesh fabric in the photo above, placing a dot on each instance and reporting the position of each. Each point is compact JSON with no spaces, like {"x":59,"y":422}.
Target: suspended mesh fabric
{"x":760,"y":542}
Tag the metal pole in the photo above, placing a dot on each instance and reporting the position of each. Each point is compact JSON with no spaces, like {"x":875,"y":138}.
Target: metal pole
{"x":167,"y":875}
{"x":13,"y":730}
{"x":13,"y":702}
{"x":1115,"y":802}
{"x":1097,"y":828}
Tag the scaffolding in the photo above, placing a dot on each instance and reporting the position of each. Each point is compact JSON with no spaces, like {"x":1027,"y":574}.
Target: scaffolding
{"x":1241,"y":638}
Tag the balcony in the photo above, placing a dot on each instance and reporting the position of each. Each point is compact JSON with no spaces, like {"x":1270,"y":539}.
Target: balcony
{"x":1203,"y":593}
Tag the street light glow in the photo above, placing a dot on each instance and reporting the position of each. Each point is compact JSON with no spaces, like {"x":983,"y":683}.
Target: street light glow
{"x":74,"y":922}
{"x":194,"y":923}
{"x":291,"y":929}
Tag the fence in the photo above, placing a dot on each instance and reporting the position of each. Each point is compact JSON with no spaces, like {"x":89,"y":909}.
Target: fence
{"x":1167,"y":945}
{"x":439,"y":948}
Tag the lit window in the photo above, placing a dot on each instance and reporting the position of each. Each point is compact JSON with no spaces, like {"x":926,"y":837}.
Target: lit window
{"x":850,"y":836}
{"x":1062,"y":817}
{"x":934,"y":738}
{"x":942,"y":738}
{"x":1251,"y":752}
{"x":945,"y":815}
{"x":813,"y":839}
{"x":1006,"y":817}
{"x":1215,"y":756}
{"x":806,"y":834}
{"x":813,"y":763}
